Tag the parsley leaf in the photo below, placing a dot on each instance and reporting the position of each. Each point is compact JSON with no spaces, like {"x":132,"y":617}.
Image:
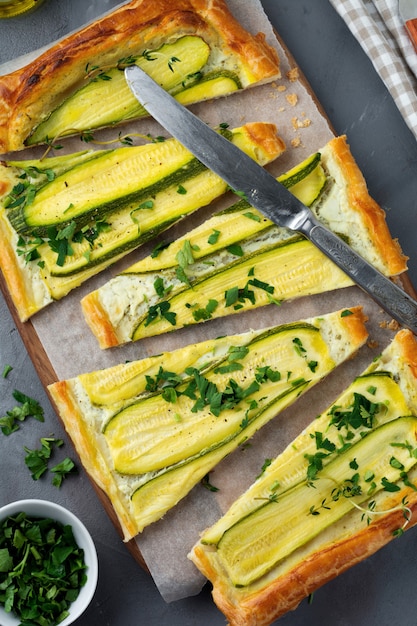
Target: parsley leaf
{"x":206,"y":313}
{"x":213,"y":238}
{"x":361,"y":414}
{"x":6,"y":370}
{"x":37,"y":461}
{"x":61,"y":471}
{"x":161,"y":310}
{"x":205,"y":481}
{"x":28,"y":408}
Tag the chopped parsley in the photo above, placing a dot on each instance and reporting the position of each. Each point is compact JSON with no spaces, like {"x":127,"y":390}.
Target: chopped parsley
{"x":236,"y":296}
{"x":37,"y":461}
{"x":6,"y":370}
{"x":160,"y":288}
{"x":161,"y":379}
{"x":185,"y":255}
{"x":161,"y":310}
{"x":361,"y":414}
{"x":60,"y":240}
{"x":235,"y":249}
{"x":214,"y":237}
{"x":185,"y":258}
{"x":206,"y":313}
{"x":252,"y":216}
{"x":28,"y":407}
{"x":42,"y":569}
{"x":205,"y":481}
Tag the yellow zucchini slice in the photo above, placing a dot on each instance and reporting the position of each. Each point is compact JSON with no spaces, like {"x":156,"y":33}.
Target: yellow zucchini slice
{"x":148,"y":431}
{"x":343,"y":488}
{"x":238,"y":260}
{"x":254,"y":545}
{"x":68,"y":217}
{"x":373,"y":399}
{"x":107,"y":100}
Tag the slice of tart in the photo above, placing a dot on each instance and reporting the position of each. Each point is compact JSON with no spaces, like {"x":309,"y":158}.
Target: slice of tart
{"x":341,"y":490}
{"x":64,"y":219}
{"x":147,"y":431}
{"x":238,"y":260}
{"x":195,"y":49}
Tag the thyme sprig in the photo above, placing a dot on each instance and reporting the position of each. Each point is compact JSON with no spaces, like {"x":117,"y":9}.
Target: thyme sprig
{"x":99,"y":72}
{"x":152,"y":55}
{"x":87,"y":136}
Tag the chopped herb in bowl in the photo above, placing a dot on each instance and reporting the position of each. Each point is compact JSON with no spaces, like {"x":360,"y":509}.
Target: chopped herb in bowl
{"x":43,"y":569}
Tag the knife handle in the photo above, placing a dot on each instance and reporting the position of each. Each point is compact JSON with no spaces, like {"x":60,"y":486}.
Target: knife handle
{"x":411,"y":26}
{"x":389,"y":296}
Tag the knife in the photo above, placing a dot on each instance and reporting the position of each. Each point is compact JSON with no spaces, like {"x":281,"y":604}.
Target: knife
{"x":265,"y":193}
{"x":408,"y":14}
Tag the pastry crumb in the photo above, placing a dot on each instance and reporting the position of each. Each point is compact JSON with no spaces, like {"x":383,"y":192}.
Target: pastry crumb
{"x":296,"y":142}
{"x":293,"y":74}
{"x":372,"y":343}
{"x":392,"y":325}
{"x":297,"y":123}
{"x":278,"y":87}
{"x":292,"y":99}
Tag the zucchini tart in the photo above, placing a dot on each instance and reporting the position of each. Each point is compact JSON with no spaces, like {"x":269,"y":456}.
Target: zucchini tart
{"x":147,"y":431}
{"x":195,"y":49}
{"x":345,"y":487}
{"x":238,"y":260}
{"x":64,"y":219}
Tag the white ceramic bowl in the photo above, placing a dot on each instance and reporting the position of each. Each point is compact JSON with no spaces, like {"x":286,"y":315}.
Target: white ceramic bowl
{"x":46,"y":509}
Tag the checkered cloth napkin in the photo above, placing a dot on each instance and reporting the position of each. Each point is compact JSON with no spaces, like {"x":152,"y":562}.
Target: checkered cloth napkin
{"x":377,"y":26}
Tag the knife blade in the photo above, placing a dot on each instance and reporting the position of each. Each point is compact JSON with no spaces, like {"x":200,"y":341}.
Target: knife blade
{"x":408,"y":13}
{"x":265,"y":193}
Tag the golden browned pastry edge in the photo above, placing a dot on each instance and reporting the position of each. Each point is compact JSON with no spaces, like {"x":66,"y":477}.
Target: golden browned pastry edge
{"x":27,"y":296}
{"x":25,"y":285}
{"x":88,"y":450}
{"x":29,"y":93}
{"x":360,"y":201}
{"x":98,"y":321}
{"x":373,"y":232}
{"x":263,"y":606}
{"x":286,"y":593}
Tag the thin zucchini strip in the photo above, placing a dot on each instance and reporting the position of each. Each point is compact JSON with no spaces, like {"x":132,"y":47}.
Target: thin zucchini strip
{"x":66,"y":218}
{"x":106,"y":100}
{"x":238,"y":260}
{"x":348,"y":477}
{"x":271,"y":533}
{"x":147,"y":431}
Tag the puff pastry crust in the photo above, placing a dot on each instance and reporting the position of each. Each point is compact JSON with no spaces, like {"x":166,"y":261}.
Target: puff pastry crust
{"x":88,"y":403}
{"x":115,"y":310}
{"x":340,"y":546}
{"x":33,"y":285}
{"x":29,"y":94}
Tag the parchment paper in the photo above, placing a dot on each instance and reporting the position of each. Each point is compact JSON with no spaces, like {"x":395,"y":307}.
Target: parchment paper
{"x":72,"y":349}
